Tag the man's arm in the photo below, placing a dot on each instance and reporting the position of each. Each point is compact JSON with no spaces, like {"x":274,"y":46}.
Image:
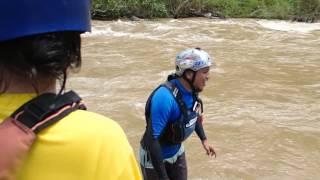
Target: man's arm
{"x":161,"y":108}
{"x":201,"y":134}
{"x":157,"y":158}
{"x":200,"y":131}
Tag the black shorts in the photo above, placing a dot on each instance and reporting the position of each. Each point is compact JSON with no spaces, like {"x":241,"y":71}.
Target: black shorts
{"x":175,"y":171}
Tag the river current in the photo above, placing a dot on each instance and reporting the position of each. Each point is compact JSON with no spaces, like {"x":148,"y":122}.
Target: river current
{"x":262,"y":111}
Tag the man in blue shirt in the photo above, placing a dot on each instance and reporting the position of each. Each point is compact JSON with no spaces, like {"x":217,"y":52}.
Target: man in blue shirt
{"x":173,"y":112}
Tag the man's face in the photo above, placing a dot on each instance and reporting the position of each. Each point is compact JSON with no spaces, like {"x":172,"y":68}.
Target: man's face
{"x":201,"y":77}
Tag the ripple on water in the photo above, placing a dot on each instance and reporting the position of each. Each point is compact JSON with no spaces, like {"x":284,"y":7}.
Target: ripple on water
{"x":261,"y":102}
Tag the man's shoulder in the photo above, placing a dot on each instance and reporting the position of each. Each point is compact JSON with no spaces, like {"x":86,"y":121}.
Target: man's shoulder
{"x":167,"y":90}
{"x":163,"y":93}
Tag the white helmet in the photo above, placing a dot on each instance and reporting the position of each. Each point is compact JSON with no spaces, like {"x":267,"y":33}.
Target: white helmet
{"x":193,"y":59}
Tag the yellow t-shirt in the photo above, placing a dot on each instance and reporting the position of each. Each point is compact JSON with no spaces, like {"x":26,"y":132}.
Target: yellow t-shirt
{"x":81,"y":146}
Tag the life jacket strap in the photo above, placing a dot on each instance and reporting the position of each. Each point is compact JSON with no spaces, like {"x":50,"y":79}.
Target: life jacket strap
{"x":47,"y":109}
{"x":18,"y":131}
{"x":178,"y":96}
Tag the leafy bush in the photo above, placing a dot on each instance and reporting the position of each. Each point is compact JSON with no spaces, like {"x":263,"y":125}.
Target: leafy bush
{"x":303,"y":10}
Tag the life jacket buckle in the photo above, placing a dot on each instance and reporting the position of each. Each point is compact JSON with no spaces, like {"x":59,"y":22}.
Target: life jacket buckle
{"x":37,"y":112}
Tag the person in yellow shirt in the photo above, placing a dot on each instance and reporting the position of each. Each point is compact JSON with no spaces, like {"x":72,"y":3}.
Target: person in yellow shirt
{"x":39,"y":42}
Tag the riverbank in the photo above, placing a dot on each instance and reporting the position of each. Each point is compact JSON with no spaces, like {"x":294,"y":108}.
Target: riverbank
{"x":297,"y":10}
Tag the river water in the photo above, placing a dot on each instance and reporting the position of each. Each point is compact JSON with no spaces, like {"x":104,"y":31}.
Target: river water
{"x":262,"y":111}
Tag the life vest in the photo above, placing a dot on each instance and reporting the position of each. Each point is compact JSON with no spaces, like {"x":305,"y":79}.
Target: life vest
{"x":19,"y":131}
{"x":181,"y":128}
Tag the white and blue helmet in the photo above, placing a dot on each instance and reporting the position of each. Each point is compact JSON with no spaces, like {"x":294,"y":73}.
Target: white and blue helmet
{"x":193,"y":59}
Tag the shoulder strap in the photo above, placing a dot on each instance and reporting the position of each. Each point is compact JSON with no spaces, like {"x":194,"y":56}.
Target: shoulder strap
{"x":177,"y":95}
{"x":199,"y":100}
{"x":47,"y":109}
{"x":18,"y":132}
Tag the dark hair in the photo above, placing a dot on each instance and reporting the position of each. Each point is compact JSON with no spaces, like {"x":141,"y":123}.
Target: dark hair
{"x":48,"y":54}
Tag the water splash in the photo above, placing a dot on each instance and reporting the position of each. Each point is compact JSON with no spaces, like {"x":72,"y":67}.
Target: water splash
{"x":298,"y":27}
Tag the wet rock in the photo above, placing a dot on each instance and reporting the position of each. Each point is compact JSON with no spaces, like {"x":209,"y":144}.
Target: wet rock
{"x":208,"y":15}
{"x":304,"y":19}
{"x":135,"y":18}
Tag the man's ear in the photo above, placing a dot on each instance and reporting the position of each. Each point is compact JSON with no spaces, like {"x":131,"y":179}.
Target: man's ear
{"x":189,"y":74}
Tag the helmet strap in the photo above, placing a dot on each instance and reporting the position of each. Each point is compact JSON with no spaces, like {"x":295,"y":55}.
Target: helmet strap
{"x":190,"y":82}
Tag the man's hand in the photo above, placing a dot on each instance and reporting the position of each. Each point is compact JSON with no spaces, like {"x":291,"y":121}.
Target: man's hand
{"x":208,"y":148}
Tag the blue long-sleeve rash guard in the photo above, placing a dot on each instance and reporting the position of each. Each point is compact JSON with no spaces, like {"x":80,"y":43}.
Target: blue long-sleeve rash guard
{"x":164,"y":110}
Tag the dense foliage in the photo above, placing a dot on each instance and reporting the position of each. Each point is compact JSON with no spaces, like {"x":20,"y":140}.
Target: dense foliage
{"x":300,"y":10}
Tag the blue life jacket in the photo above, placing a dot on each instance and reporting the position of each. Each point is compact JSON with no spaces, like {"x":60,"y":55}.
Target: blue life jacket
{"x":180,"y":129}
